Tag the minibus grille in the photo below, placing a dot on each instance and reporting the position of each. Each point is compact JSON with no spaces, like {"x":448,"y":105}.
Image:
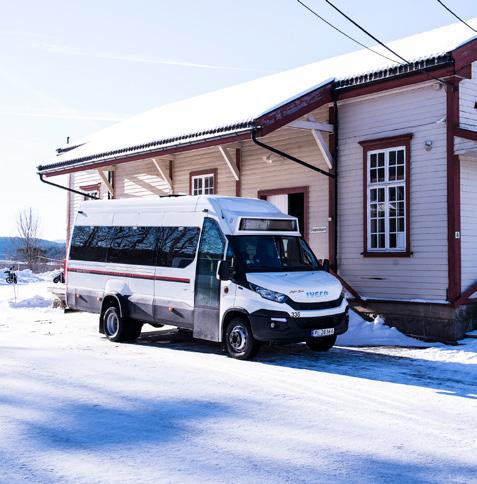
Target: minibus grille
{"x":306,"y":306}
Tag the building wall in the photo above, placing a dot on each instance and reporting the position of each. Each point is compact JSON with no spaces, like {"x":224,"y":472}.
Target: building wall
{"x":467,"y":100}
{"x":424,"y":275}
{"x":258,"y":174}
{"x":468,"y":194}
{"x":417,"y":111}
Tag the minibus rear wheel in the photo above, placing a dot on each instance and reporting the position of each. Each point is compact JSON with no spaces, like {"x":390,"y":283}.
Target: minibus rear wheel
{"x":321,"y":344}
{"x":119,"y":329}
{"x":239,"y":341}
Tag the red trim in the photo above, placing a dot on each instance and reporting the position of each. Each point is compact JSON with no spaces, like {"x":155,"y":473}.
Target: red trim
{"x":210,"y":171}
{"x":379,"y":144}
{"x":465,"y":133}
{"x":129,"y":274}
{"x":238,"y":162}
{"x":91,"y":188}
{"x":332,"y":216}
{"x":294,"y":109}
{"x":453,"y":195}
{"x":464,"y":298}
{"x":149,"y":154}
{"x":263,"y":194}
{"x":463,"y":58}
{"x":393,"y":83}
{"x":349,"y":288}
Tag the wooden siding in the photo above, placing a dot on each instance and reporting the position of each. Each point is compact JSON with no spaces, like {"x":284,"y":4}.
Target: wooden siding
{"x":468,"y":194}
{"x":467,"y":100}
{"x":257,"y":174}
{"x":424,"y":275}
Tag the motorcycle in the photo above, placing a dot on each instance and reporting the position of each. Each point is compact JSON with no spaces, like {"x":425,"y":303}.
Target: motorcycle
{"x":60,"y":277}
{"x":11,"y":277}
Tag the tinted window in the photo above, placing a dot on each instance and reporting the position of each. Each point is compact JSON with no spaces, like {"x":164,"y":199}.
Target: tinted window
{"x":90,"y":243}
{"x":211,"y":250}
{"x":176,"y":246}
{"x":133,"y":245}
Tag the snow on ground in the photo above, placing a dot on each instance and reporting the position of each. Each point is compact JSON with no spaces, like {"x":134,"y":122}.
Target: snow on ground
{"x":76,"y":408}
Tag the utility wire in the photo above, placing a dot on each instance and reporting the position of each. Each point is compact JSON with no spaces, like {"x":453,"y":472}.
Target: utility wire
{"x":381,"y":43}
{"x":456,"y":16}
{"x":344,"y":33}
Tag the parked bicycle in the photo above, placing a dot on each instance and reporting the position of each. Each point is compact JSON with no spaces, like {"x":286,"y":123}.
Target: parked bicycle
{"x":11,"y":277}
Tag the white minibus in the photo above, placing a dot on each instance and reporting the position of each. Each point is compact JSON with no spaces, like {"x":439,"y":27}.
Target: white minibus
{"x":230,"y":270}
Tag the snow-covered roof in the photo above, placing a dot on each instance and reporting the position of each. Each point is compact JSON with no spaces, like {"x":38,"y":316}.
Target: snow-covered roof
{"x":237,"y":109}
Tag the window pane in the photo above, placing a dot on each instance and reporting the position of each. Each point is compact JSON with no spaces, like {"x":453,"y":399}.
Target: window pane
{"x":211,"y":249}
{"x":133,"y":245}
{"x":392,"y":241}
{"x":176,"y":246}
{"x":90,"y":243}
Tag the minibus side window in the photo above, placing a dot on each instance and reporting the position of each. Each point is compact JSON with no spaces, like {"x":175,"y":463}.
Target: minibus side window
{"x":90,"y":243}
{"x":211,"y":250}
{"x":176,"y":246}
{"x":133,"y":245}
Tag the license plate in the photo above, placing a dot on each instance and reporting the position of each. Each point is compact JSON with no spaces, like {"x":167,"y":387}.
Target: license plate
{"x":322,"y":332}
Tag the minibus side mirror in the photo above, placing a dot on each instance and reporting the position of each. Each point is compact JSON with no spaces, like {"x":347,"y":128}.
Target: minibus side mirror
{"x":224,"y":270}
{"x":326,"y":265}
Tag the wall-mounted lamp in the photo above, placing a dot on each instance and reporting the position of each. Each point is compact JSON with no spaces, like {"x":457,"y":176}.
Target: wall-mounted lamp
{"x":428,"y":145}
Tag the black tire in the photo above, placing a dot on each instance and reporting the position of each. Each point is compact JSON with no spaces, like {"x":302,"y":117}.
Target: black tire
{"x":118,"y":329}
{"x":321,"y":344}
{"x":239,"y":341}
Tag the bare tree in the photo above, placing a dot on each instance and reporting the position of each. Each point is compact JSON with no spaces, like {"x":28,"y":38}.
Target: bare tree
{"x":28,"y":225}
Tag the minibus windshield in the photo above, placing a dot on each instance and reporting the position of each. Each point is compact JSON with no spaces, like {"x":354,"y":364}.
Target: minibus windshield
{"x":274,"y":253}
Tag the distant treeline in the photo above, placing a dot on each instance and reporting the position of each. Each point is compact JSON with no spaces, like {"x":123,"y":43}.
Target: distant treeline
{"x":11,"y":249}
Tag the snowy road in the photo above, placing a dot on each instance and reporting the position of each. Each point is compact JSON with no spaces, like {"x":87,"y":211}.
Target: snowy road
{"x":77,"y":408}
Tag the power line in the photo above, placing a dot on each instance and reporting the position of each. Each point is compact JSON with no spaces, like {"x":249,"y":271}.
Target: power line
{"x":344,"y":33}
{"x":381,"y":43}
{"x":456,"y":16}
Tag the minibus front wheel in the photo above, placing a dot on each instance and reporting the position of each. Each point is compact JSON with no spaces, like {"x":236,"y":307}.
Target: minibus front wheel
{"x":239,"y":341}
{"x":117,"y":328}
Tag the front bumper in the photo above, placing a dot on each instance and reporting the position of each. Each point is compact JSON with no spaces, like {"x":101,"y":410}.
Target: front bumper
{"x":278,"y":326}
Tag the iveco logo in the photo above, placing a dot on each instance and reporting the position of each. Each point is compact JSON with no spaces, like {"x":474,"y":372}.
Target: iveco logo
{"x":316,"y":293}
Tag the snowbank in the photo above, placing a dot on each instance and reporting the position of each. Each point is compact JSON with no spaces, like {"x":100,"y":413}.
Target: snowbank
{"x":364,"y":333}
{"x":31,"y":302}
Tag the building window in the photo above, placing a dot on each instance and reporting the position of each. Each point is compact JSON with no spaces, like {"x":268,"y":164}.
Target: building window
{"x":203,"y":182}
{"x":111,"y":182}
{"x":92,"y":190}
{"x":387,"y":196}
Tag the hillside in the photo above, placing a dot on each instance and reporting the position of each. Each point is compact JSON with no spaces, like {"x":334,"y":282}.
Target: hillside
{"x":9,"y":245}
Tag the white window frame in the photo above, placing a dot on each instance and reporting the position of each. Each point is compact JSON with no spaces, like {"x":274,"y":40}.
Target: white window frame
{"x":386,"y":184}
{"x":202,"y":189}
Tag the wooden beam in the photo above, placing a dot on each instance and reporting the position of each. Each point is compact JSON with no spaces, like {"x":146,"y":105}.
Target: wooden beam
{"x":105,"y":180}
{"x":300,"y":124}
{"x":323,"y":147}
{"x":163,"y":171}
{"x":230,"y":162}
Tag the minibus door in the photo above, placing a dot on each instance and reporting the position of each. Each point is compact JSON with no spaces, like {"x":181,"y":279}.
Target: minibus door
{"x":207,"y":285}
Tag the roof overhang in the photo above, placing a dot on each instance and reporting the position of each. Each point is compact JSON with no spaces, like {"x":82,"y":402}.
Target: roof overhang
{"x":455,"y":63}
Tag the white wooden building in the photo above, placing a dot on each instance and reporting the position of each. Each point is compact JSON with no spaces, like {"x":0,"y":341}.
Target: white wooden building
{"x":378,"y":161}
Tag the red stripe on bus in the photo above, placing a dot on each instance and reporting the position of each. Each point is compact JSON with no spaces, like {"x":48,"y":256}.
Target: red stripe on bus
{"x":128,"y":274}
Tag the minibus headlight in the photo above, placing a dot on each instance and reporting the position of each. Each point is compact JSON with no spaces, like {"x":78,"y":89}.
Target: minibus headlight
{"x":268,"y":294}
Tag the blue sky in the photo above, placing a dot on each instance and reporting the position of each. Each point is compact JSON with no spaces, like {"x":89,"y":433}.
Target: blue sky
{"x":69,"y":68}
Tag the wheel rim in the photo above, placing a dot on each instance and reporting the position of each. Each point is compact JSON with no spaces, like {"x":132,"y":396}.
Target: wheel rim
{"x":238,"y":339}
{"x":112,"y":324}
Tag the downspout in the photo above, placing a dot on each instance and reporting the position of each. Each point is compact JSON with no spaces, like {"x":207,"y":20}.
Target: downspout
{"x":68,"y":189}
{"x":334,"y":262}
{"x":288,"y":156}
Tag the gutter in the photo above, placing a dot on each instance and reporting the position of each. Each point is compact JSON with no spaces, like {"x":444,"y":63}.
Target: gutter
{"x":288,"y":156}
{"x":68,"y":189}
